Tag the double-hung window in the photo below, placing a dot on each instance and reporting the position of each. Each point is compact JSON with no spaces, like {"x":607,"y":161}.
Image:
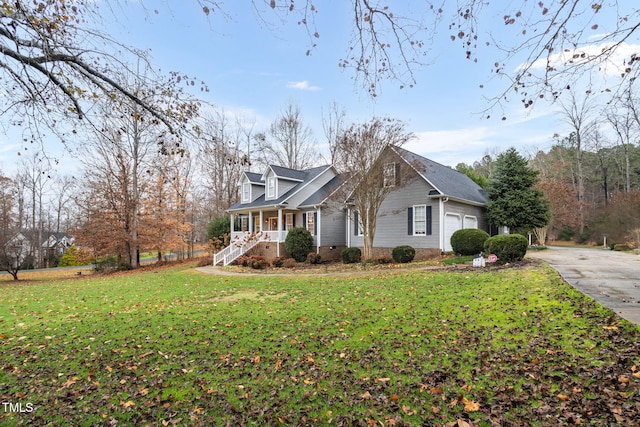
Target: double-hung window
{"x":246,"y":191}
{"x":271,"y":187}
{"x":420,"y":220}
{"x":311,"y":227}
{"x":288,"y":221}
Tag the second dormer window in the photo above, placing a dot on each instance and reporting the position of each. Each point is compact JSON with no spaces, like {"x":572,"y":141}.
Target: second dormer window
{"x":246,"y":189}
{"x":271,"y":187}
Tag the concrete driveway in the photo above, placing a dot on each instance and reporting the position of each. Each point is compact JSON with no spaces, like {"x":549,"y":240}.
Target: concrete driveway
{"x":611,"y":278}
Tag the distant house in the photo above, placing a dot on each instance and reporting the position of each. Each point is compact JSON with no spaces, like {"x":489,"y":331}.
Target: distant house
{"x":23,"y":247}
{"x":427,"y":203}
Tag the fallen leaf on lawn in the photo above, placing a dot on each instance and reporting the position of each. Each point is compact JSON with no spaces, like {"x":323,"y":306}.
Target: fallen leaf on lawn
{"x":383,"y":380}
{"x":562,"y":397}
{"x":436,"y":390}
{"x":309,"y":381}
{"x":109,"y":368}
{"x":278,"y":364}
{"x":69,"y":382}
{"x":366,"y":395}
{"x":623,"y":379}
{"x":636,"y":374}
{"x":610,"y":328}
{"x":129,"y":403}
{"x":394,"y":397}
{"x":256,"y":359}
{"x":470,"y":405}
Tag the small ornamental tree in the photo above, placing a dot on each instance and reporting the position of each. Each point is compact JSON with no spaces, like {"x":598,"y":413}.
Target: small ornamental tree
{"x":298,"y":243}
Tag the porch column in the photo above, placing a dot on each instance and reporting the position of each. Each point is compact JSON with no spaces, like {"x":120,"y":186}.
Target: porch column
{"x":250,"y":223}
{"x":279,"y":232}
{"x":318,"y":226}
{"x":261,"y":221}
{"x":232,"y":222}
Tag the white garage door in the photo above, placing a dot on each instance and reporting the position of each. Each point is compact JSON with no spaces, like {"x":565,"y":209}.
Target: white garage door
{"x":470,"y":222}
{"x":452,"y":223}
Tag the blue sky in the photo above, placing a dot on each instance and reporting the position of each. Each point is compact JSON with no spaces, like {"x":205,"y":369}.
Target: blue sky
{"x":254,"y":65}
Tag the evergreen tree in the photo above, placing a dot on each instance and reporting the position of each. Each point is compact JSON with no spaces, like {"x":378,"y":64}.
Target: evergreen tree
{"x":513,"y":202}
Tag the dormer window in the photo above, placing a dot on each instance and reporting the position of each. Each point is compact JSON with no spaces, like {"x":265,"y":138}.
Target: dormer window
{"x":246,"y":191}
{"x":271,"y":187}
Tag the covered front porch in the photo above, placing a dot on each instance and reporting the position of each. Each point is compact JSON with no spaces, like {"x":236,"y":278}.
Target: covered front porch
{"x":251,"y":227}
{"x":270,"y":225}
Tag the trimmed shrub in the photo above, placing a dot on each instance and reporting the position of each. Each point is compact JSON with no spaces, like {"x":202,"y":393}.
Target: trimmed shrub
{"x":243,"y":261}
{"x":351,"y":255}
{"x":277,"y":262}
{"x":468,"y":241}
{"x":258,"y":262}
{"x":403,"y":254}
{"x":622,"y":247}
{"x":314,"y":258}
{"x":298,"y":243}
{"x":289,"y":263}
{"x":507,"y":247}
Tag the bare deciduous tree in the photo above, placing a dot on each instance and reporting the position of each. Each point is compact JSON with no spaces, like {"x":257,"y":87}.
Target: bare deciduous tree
{"x":222,"y":158}
{"x":288,"y":142}
{"x":360,"y":158}
{"x":578,"y":113}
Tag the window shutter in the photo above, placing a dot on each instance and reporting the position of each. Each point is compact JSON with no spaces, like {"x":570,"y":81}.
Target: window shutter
{"x":355,"y":223}
{"x":294,"y":220}
{"x":428,"y":220}
{"x":410,"y":221}
{"x":304,"y":220}
{"x":397,"y":165}
{"x":315,"y":223}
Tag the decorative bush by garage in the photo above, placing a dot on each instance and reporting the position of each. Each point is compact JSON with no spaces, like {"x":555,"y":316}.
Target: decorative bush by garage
{"x":468,"y":241}
{"x":507,"y":247}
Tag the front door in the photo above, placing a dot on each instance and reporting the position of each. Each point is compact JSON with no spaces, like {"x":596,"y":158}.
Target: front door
{"x":273,"y":224}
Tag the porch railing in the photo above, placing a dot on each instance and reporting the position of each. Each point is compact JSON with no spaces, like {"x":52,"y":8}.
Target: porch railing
{"x":243,"y":242}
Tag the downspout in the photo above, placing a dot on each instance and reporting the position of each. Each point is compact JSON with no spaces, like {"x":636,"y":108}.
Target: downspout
{"x":442,"y":202}
{"x":348,"y":227}
{"x":319,"y":228}
{"x":279,"y":232}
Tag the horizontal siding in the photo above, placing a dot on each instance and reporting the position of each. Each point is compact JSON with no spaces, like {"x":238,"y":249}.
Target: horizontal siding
{"x":333,"y":227}
{"x":391,"y":227}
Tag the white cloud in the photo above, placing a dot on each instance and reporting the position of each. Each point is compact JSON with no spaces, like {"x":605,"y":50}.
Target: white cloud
{"x":303,"y":85}
{"x":612,"y":65}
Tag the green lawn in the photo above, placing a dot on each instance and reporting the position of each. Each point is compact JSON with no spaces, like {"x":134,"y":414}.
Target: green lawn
{"x":178,"y":347}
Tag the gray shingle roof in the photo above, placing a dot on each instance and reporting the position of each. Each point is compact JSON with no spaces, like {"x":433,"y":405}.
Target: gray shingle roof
{"x":449,"y":182}
{"x":254,"y":178}
{"x":305,"y":176}
{"x":319,"y":196}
